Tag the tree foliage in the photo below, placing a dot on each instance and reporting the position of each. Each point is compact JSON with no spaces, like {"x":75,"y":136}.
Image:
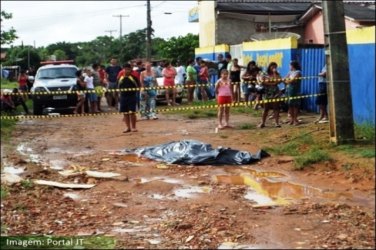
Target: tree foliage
{"x":7,"y":36}
{"x":180,"y":48}
{"x":130,"y":46}
{"x":22,"y":56}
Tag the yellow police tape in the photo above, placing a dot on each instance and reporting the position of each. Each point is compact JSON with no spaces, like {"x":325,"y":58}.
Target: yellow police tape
{"x":236,"y":104}
{"x":105,"y":90}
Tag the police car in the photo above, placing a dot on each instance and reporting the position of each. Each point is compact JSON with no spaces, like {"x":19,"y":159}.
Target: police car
{"x":51,"y":78}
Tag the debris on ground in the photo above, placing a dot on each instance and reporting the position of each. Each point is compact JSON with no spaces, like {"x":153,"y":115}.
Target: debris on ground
{"x":63,"y":185}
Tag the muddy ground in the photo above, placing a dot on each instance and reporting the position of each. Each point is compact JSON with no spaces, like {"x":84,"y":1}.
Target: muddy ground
{"x":154,"y":205}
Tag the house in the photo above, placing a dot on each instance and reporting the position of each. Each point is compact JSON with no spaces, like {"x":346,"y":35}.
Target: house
{"x":236,"y":21}
{"x":356,"y":16}
{"x":233,"y":22}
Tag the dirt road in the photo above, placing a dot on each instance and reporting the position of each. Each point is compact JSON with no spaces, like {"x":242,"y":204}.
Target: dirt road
{"x":154,"y":205}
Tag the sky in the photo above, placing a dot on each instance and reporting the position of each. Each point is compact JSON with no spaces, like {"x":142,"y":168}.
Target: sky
{"x":46,"y":22}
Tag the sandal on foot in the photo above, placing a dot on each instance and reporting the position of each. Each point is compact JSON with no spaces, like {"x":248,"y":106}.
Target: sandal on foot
{"x":134,"y":130}
{"x":261,"y":126}
{"x":127,"y":131}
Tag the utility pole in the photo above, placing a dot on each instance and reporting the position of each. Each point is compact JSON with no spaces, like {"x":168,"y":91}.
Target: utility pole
{"x":28,"y":57}
{"x":110,"y":31}
{"x":121,"y":22}
{"x":148,"y":31}
{"x":338,"y":77}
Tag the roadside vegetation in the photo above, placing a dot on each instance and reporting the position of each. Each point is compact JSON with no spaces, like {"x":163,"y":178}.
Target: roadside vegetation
{"x":6,"y":84}
{"x":8,"y":125}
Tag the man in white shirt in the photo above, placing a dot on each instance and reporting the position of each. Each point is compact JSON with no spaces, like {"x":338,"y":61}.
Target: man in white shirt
{"x":180,"y":76}
{"x":91,"y":96}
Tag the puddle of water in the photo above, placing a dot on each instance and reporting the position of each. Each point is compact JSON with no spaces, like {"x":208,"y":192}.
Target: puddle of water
{"x":190,"y":192}
{"x":22,"y":149}
{"x":258,"y":174}
{"x":279,"y":192}
{"x":258,"y":198}
{"x":13,"y":170}
{"x":34,"y":158}
{"x":58,"y":164}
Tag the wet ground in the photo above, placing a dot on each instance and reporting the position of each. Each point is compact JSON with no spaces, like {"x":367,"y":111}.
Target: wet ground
{"x":148,"y":204}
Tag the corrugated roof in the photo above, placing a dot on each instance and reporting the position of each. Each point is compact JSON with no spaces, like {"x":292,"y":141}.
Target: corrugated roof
{"x":353,"y":11}
{"x":358,"y":12}
{"x":274,"y":7}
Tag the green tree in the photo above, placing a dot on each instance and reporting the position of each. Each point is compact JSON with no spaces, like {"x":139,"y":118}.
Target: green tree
{"x":68,"y":48}
{"x":43,"y":53}
{"x":180,"y":48}
{"x":133,"y":45}
{"x":23,"y":56}
{"x":7,"y":36}
{"x":156,"y":46}
{"x":60,"y":54}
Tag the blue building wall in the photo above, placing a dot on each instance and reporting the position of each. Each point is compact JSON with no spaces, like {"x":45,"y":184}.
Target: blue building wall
{"x":362,"y":77}
{"x":312,"y":60}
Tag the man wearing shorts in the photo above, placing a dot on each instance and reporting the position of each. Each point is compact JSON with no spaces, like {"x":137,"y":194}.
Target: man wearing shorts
{"x":112,"y":72}
{"x":128,"y":99}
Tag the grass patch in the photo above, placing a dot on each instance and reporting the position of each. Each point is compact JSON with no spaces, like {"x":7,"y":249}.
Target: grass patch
{"x":196,"y":114}
{"x":6,"y":84}
{"x":4,"y":228}
{"x":4,"y":193}
{"x":290,"y":148}
{"x":311,"y":157}
{"x":223,"y":136}
{"x":6,"y":128}
{"x":246,"y":126}
{"x":204,"y":103}
{"x":27,"y":184}
{"x":304,"y":149}
{"x":246,"y":110}
{"x":365,"y":132}
{"x":357,"y":151}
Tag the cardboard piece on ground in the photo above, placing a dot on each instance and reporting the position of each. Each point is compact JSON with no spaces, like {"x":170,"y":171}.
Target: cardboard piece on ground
{"x":97,"y":174}
{"x":62,"y":185}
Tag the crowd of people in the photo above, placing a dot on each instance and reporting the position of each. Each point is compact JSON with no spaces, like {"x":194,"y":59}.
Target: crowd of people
{"x":255,"y":83}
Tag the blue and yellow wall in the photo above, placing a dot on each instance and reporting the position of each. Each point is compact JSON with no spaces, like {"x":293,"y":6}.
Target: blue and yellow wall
{"x":361,"y":49}
{"x":206,"y":53}
{"x":281,"y":51}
